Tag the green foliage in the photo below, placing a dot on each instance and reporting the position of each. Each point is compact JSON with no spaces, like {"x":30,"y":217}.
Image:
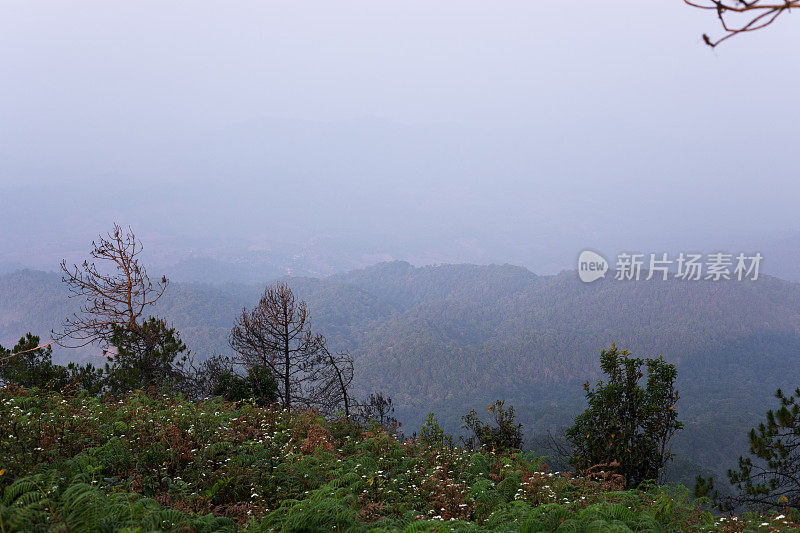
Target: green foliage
{"x":163,"y":463}
{"x":85,"y":378}
{"x":148,"y":355}
{"x":703,"y":487}
{"x":258,"y":385}
{"x":768,"y":478}
{"x":505,"y":435}
{"x":45,"y":502}
{"x":29,"y":365}
{"x":431,"y":434}
{"x":627,"y":426}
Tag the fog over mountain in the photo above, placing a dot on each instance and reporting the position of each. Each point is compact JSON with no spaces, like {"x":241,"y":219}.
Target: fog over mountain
{"x":318,"y":138}
{"x":360,"y":265}
{"x":248,"y":142}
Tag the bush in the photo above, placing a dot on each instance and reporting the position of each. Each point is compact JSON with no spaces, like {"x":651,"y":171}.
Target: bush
{"x":258,"y":385}
{"x":430,"y":434}
{"x":504,"y":436}
{"x":626,"y":427}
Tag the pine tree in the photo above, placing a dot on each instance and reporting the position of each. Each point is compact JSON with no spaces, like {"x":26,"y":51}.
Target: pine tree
{"x":770,"y":477}
{"x":151,"y":354}
{"x":30,"y":364}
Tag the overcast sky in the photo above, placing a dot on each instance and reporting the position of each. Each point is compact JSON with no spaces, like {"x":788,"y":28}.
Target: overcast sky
{"x":518,"y":131}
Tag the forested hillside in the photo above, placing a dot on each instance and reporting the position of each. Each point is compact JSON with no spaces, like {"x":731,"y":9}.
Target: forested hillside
{"x":454,"y":337}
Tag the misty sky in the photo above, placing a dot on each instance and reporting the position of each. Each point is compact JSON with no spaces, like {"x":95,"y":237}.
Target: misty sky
{"x":515,"y":132}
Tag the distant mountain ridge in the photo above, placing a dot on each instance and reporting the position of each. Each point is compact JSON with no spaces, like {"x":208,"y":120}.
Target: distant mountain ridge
{"x":452,"y":337}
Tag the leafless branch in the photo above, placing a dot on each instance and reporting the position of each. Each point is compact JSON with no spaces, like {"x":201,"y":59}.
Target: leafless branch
{"x":740,"y":16}
{"x":276,"y":335}
{"x":9,"y":356}
{"x":116,"y":298}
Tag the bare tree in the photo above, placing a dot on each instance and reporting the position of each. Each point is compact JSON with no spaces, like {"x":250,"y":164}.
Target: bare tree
{"x":277,"y":335}
{"x":740,"y":16}
{"x":378,"y":408}
{"x":554,"y":448}
{"x":113,"y":299}
{"x":331,"y":386}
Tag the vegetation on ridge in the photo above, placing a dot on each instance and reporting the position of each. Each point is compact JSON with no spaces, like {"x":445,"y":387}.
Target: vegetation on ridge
{"x":151,"y":462}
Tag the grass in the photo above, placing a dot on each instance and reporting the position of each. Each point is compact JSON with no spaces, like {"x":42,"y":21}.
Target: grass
{"x":162,"y":463}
